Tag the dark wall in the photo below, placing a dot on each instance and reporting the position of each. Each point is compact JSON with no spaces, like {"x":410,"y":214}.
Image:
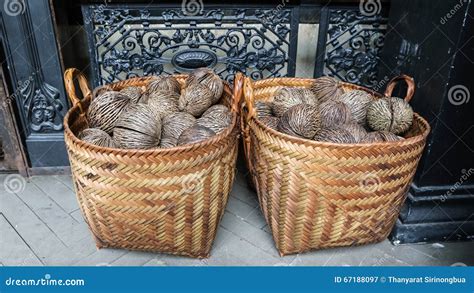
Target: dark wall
{"x":433,"y":42}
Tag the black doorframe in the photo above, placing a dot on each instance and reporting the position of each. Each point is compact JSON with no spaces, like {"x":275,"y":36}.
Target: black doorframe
{"x":37,"y":89}
{"x":440,"y":204}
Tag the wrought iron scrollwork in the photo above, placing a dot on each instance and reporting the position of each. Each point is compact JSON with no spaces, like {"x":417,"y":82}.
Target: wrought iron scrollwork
{"x":353,"y":45}
{"x":130,"y":42}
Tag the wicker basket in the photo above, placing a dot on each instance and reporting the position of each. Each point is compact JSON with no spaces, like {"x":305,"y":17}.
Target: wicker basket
{"x":318,"y":194}
{"x":163,"y":200}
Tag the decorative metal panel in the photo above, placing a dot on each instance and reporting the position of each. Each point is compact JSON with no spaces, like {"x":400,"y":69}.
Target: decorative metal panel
{"x":35,"y":75}
{"x":352,"y":44}
{"x":136,"y":40}
{"x":40,"y":102}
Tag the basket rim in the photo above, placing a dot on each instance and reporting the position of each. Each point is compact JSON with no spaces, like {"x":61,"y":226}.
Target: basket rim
{"x":309,"y":142}
{"x":410,"y":140}
{"x":309,"y":80}
{"x":233,"y":127}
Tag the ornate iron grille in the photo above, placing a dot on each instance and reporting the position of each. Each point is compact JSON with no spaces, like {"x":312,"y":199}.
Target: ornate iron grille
{"x":349,"y":44}
{"x":138,"y":40}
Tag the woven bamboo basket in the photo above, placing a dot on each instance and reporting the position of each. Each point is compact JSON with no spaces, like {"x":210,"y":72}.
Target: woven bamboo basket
{"x":163,"y":200}
{"x":318,"y":194}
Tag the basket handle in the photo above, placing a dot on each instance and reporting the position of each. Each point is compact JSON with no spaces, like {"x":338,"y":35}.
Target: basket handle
{"x":408,"y":80}
{"x":249,"y":99}
{"x":248,"y":111}
{"x":237,"y":91}
{"x":69,"y":77}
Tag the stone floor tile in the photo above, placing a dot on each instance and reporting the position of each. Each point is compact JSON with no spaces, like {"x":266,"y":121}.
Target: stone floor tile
{"x":13,"y":250}
{"x":57,"y":191}
{"x":42,"y":224}
{"x":66,"y":180}
{"x":102,"y":257}
{"x":134,"y":258}
{"x":77,"y":215}
{"x":257,"y":237}
{"x":64,"y":226}
{"x":238,"y":252}
{"x":244,"y":194}
{"x":34,"y":232}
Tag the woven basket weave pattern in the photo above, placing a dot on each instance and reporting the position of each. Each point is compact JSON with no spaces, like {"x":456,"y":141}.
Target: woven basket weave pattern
{"x":165,"y":200}
{"x":318,"y":195}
